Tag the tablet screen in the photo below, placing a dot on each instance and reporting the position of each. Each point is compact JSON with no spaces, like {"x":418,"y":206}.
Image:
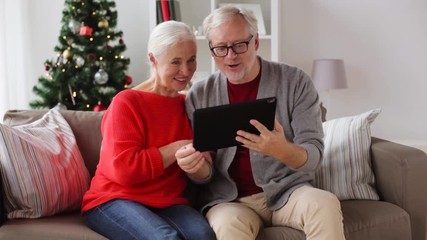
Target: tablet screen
{"x":216,"y":127}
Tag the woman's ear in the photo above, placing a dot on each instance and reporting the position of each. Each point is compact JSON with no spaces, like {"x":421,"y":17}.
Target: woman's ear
{"x":151,"y":58}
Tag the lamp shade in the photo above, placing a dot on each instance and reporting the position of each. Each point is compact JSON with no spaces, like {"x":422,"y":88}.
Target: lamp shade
{"x":329,"y":74}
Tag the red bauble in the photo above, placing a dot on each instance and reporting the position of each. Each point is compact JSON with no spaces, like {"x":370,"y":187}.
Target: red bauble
{"x":86,"y":31}
{"x":46,"y":67}
{"x":121,"y":41}
{"x":91,"y":57}
{"x":128,"y":80}
{"x":99,"y":108}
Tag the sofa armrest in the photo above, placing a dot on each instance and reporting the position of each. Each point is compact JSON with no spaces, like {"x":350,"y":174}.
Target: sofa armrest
{"x":401,"y":178}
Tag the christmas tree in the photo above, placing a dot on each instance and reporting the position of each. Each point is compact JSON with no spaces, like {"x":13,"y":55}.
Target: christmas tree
{"x":89,"y":69}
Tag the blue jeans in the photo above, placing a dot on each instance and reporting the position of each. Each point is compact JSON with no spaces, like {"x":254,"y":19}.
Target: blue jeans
{"x":125,"y":219}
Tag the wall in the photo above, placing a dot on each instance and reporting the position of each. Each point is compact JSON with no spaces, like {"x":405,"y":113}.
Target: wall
{"x":383,"y":44}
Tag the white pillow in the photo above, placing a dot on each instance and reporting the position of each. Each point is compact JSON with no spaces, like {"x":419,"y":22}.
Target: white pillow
{"x":346,"y":169}
{"x":42,"y":168}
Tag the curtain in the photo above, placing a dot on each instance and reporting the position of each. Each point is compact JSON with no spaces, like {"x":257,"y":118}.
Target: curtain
{"x":15,"y":85}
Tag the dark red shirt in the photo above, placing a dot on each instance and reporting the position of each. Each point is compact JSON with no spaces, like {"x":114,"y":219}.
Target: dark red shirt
{"x":241,"y":169}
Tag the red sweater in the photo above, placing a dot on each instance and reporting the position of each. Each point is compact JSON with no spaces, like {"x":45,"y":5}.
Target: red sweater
{"x":134,"y":126}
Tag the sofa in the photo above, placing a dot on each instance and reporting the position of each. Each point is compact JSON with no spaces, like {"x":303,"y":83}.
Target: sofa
{"x":400,"y":180}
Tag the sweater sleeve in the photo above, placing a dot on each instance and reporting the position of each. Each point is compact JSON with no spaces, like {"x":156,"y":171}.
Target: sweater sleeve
{"x":298,"y":108}
{"x":306,"y":121}
{"x":125,"y":157}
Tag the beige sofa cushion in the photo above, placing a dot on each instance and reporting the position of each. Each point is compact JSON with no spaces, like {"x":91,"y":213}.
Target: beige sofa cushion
{"x":42,"y":168}
{"x":363,"y":219}
{"x":69,"y":226}
{"x":86,"y":127}
{"x":346,"y":169}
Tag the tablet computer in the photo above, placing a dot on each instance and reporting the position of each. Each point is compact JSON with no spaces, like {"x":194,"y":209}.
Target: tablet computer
{"x":216,"y":127}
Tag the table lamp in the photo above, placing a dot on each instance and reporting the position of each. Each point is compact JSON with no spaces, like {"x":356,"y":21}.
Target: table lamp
{"x":328,"y":74}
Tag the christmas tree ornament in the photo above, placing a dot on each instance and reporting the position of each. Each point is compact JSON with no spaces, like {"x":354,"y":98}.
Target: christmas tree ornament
{"x":91,"y":57}
{"x":103,"y":23}
{"x":101,"y":77}
{"x":86,"y":31}
{"x":128,"y":80}
{"x":46,"y":67}
{"x":99,"y":107}
{"x":79,"y":61}
{"x":68,"y":54}
{"x":74,"y":26}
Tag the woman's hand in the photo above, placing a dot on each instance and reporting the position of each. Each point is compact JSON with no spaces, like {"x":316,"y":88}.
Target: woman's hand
{"x":196,"y":164}
{"x":168,"y":151}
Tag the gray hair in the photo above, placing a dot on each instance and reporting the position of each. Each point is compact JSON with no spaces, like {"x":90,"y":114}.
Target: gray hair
{"x":227,"y":12}
{"x":166,"y":34}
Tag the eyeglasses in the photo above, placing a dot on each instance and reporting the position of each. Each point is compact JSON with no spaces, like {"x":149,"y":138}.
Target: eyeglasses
{"x":238,"y":48}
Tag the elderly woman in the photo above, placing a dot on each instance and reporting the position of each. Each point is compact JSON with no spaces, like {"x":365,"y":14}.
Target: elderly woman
{"x":138,"y":188}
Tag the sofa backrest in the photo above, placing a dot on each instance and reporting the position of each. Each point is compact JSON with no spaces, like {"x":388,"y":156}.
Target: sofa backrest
{"x":86,"y":127}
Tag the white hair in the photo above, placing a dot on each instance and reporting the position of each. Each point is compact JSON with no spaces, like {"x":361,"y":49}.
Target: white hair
{"x":227,"y":12}
{"x":166,"y":34}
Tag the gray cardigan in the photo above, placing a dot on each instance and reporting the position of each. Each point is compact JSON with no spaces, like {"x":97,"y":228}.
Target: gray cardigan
{"x":297,"y":111}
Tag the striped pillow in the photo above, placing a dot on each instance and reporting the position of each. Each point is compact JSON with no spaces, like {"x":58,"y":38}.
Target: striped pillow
{"x":42,"y":168}
{"x":346,"y":169}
